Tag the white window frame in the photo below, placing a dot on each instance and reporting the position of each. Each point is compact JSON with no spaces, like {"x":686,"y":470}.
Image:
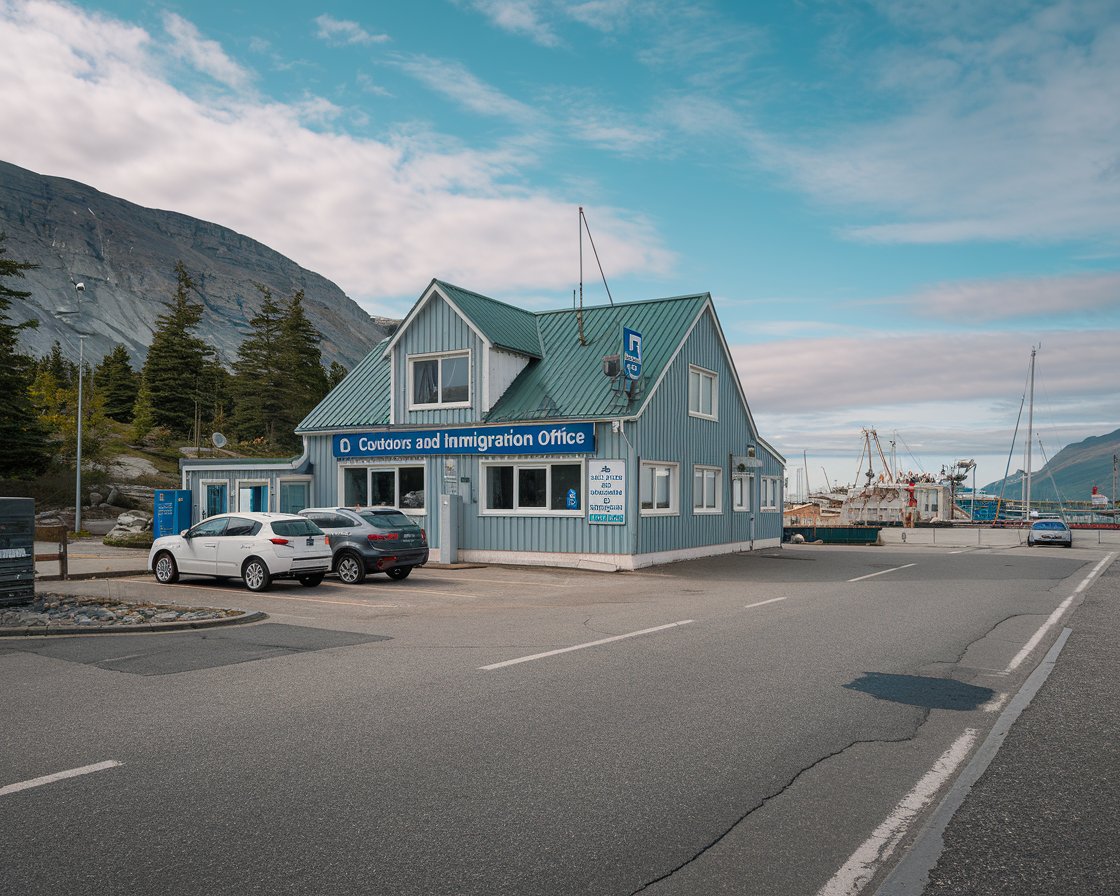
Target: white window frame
{"x":250,"y":483}
{"x":396,"y":468}
{"x":716,"y":475}
{"x":438,"y":357}
{"x":484,"y":508}
{"x":745,"y":482}
{"x":203,"y":485}
{"x":290,"y":480}
{"x":673,"y":470}
{"x":710,"y":379}
{"x":771,"y":493}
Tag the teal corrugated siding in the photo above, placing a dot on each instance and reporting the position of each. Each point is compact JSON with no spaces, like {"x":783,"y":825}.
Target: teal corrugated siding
{"x":437,"y":328}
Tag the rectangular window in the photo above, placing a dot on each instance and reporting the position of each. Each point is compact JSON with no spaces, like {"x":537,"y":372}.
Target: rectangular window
{"x":252,"y":496}
{"x":771,"y":493}
{"x":384,"y":487}
{"x":658,"y":488}
{"x":706,"y":492}
{"x":440,"y":380}
{"x":702,"y":394}
{"x":741,"y":487}
{"x":533,"y":488}
{"x":216,"y":498}
{"x":294,"y":495}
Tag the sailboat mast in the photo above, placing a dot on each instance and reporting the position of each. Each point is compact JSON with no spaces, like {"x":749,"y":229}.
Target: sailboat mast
{"x":1030,"y":435}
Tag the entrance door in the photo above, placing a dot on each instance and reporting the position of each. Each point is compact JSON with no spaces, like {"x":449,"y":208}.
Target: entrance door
{"x":216,"y":498}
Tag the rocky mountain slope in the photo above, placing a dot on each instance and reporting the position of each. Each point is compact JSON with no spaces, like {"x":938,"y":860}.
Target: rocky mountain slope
{"x":1070,"y":474}
{"x":125,"y":255}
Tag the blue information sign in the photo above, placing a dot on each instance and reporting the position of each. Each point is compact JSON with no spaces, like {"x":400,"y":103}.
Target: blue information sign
{"x":555,"y":438}
{"x":631,"y":353}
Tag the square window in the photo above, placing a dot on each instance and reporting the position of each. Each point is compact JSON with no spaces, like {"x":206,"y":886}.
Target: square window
{"x":440,"y":380}
{"x":657,"y":488}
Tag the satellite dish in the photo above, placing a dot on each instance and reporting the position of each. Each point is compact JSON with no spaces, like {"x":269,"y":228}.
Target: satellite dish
{"x":218,"y":439}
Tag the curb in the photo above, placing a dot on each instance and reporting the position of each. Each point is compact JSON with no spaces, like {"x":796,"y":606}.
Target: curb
{"x":38,"y":631}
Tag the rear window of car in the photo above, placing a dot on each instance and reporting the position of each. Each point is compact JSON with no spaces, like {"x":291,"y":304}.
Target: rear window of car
{"x":1050,"y":524}
{"x":295,"y":528}
{"x":387,"y":519}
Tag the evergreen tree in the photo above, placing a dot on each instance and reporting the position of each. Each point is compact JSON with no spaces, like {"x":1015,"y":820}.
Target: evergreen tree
{"x":303,"y":360}
{"x":64,"y":371}
{"x":118,"y":383}
{"x":335,"y":375}
{"x":259,"y":379}
{"x":24,"y":450}
{"x":178,"y":368}
{"x":56,"y":403}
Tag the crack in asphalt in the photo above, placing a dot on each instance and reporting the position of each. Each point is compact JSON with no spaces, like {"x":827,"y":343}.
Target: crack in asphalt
{"x":769,"y":798}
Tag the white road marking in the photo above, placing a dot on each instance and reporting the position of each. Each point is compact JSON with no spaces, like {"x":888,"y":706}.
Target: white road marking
{"x":877,"y":848}
{"x":995,"y":704}
{"x":1056,"y":615}
{"x":772,"y":600}
{"x":882,"y":572}
{"x":548,"y":653}
{"x":59,"y":776}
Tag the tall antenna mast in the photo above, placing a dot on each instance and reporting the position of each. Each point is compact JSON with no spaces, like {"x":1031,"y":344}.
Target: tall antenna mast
{"x":579,"y":311}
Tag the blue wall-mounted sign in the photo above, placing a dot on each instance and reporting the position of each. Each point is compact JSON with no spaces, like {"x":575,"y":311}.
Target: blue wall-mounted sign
{"x":631,"y":353}
{"x":490,"y":441}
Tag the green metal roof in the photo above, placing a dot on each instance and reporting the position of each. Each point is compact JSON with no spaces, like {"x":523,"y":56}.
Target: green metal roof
{"x":563,"y":380}
{"x":568,"y":380}
{"x":361,"y":399}
{"x":504,"y":326}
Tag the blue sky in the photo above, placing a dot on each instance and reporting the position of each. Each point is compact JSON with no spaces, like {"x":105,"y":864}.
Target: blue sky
{"x":889,"y":202}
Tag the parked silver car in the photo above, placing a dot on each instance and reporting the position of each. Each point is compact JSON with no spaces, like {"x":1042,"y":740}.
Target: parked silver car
{"x":1049,"y":532}
{"x":371,"y":540}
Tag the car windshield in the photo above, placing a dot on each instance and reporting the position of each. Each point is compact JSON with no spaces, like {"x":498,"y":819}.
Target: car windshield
{"x":1049,"y":524}
{"x":293,"y":528}
{"x":387,"y":519}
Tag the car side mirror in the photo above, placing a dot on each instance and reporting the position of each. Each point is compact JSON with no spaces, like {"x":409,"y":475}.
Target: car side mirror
{"x":186,"y":533}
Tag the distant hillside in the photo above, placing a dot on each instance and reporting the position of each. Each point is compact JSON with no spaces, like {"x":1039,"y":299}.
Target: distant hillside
{"x":1074,"y":470}
{"x":125,"y":255}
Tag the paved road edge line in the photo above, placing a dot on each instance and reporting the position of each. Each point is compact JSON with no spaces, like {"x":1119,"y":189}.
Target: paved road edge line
{"x":910,"y":876}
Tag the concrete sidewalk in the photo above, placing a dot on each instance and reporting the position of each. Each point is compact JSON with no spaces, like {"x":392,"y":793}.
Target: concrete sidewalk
{"x":1044,"y":817}
{"x":89,"y":557}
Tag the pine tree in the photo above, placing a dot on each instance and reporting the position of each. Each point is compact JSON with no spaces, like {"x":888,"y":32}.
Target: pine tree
{"x":259,"y":379}
{"x":302,"y":358}
{"x":118,"y":383}
{"x":177,"y":370}
{"x":336,"y":374}
{"x":24,"y":450}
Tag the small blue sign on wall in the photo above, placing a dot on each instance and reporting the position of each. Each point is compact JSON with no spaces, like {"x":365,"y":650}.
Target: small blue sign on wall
{"x":571,"y":501}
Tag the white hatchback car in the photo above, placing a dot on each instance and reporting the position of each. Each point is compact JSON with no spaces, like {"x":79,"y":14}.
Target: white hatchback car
{"x":257,"y":547}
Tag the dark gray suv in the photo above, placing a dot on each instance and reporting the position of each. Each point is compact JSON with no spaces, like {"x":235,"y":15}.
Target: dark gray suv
{"x":371,"y":539}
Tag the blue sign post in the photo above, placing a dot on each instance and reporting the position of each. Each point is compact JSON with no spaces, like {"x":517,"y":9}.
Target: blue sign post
{"x":631,"y":353}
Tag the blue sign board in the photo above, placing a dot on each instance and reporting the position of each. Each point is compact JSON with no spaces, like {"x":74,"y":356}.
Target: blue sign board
{"x":631,"y":353}
{"x":552,"y":438}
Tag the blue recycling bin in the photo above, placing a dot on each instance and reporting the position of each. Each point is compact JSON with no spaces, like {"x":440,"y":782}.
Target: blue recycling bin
{"x":172,"y":511}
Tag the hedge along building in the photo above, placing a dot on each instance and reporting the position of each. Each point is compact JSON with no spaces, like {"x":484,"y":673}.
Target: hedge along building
{"x":612,"y":437}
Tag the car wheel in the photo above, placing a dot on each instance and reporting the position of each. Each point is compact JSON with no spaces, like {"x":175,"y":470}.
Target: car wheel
{"x":167,"y":573}
{"x":398,"y":572}
{"x":256,"y":575}
{"x":311,"y":581}
{"x":350,"y":568}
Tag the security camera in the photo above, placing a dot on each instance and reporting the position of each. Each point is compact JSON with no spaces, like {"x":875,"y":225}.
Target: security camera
{"x":80,"y":287}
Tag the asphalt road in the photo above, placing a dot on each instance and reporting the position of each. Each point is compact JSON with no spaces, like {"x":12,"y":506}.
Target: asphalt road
{"x":742,"y":725}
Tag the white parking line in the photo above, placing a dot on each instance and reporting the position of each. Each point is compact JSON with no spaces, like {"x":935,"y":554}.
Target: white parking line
{"x":877,"y":848}
{"x":1056,"y":615}
{"x":761,"y":603}
{"x":881,"y":572}
{"x":59,"y":776}
{"x":548,"y":653}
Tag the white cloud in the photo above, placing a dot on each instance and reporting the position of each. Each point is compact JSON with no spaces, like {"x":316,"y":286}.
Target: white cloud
{"x":989,"y":300}
{"x":206,"y":56}
{"x":522,"y":17}
{"x":456,"y":82}
{"x":380,"y":218}
{"x":1004,"y":134}
{"x":343,"y":31}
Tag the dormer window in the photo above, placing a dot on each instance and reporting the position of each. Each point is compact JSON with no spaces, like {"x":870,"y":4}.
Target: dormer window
{"x":440,"y":381}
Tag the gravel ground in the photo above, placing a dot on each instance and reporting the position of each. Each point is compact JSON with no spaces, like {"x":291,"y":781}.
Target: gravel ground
{"x":48,"y":610}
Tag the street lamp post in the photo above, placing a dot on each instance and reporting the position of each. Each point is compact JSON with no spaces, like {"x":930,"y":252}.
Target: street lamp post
{"x":79,"y":288}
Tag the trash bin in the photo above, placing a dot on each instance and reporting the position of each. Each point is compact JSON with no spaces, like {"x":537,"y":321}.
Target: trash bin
{"x":17,"y":551}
